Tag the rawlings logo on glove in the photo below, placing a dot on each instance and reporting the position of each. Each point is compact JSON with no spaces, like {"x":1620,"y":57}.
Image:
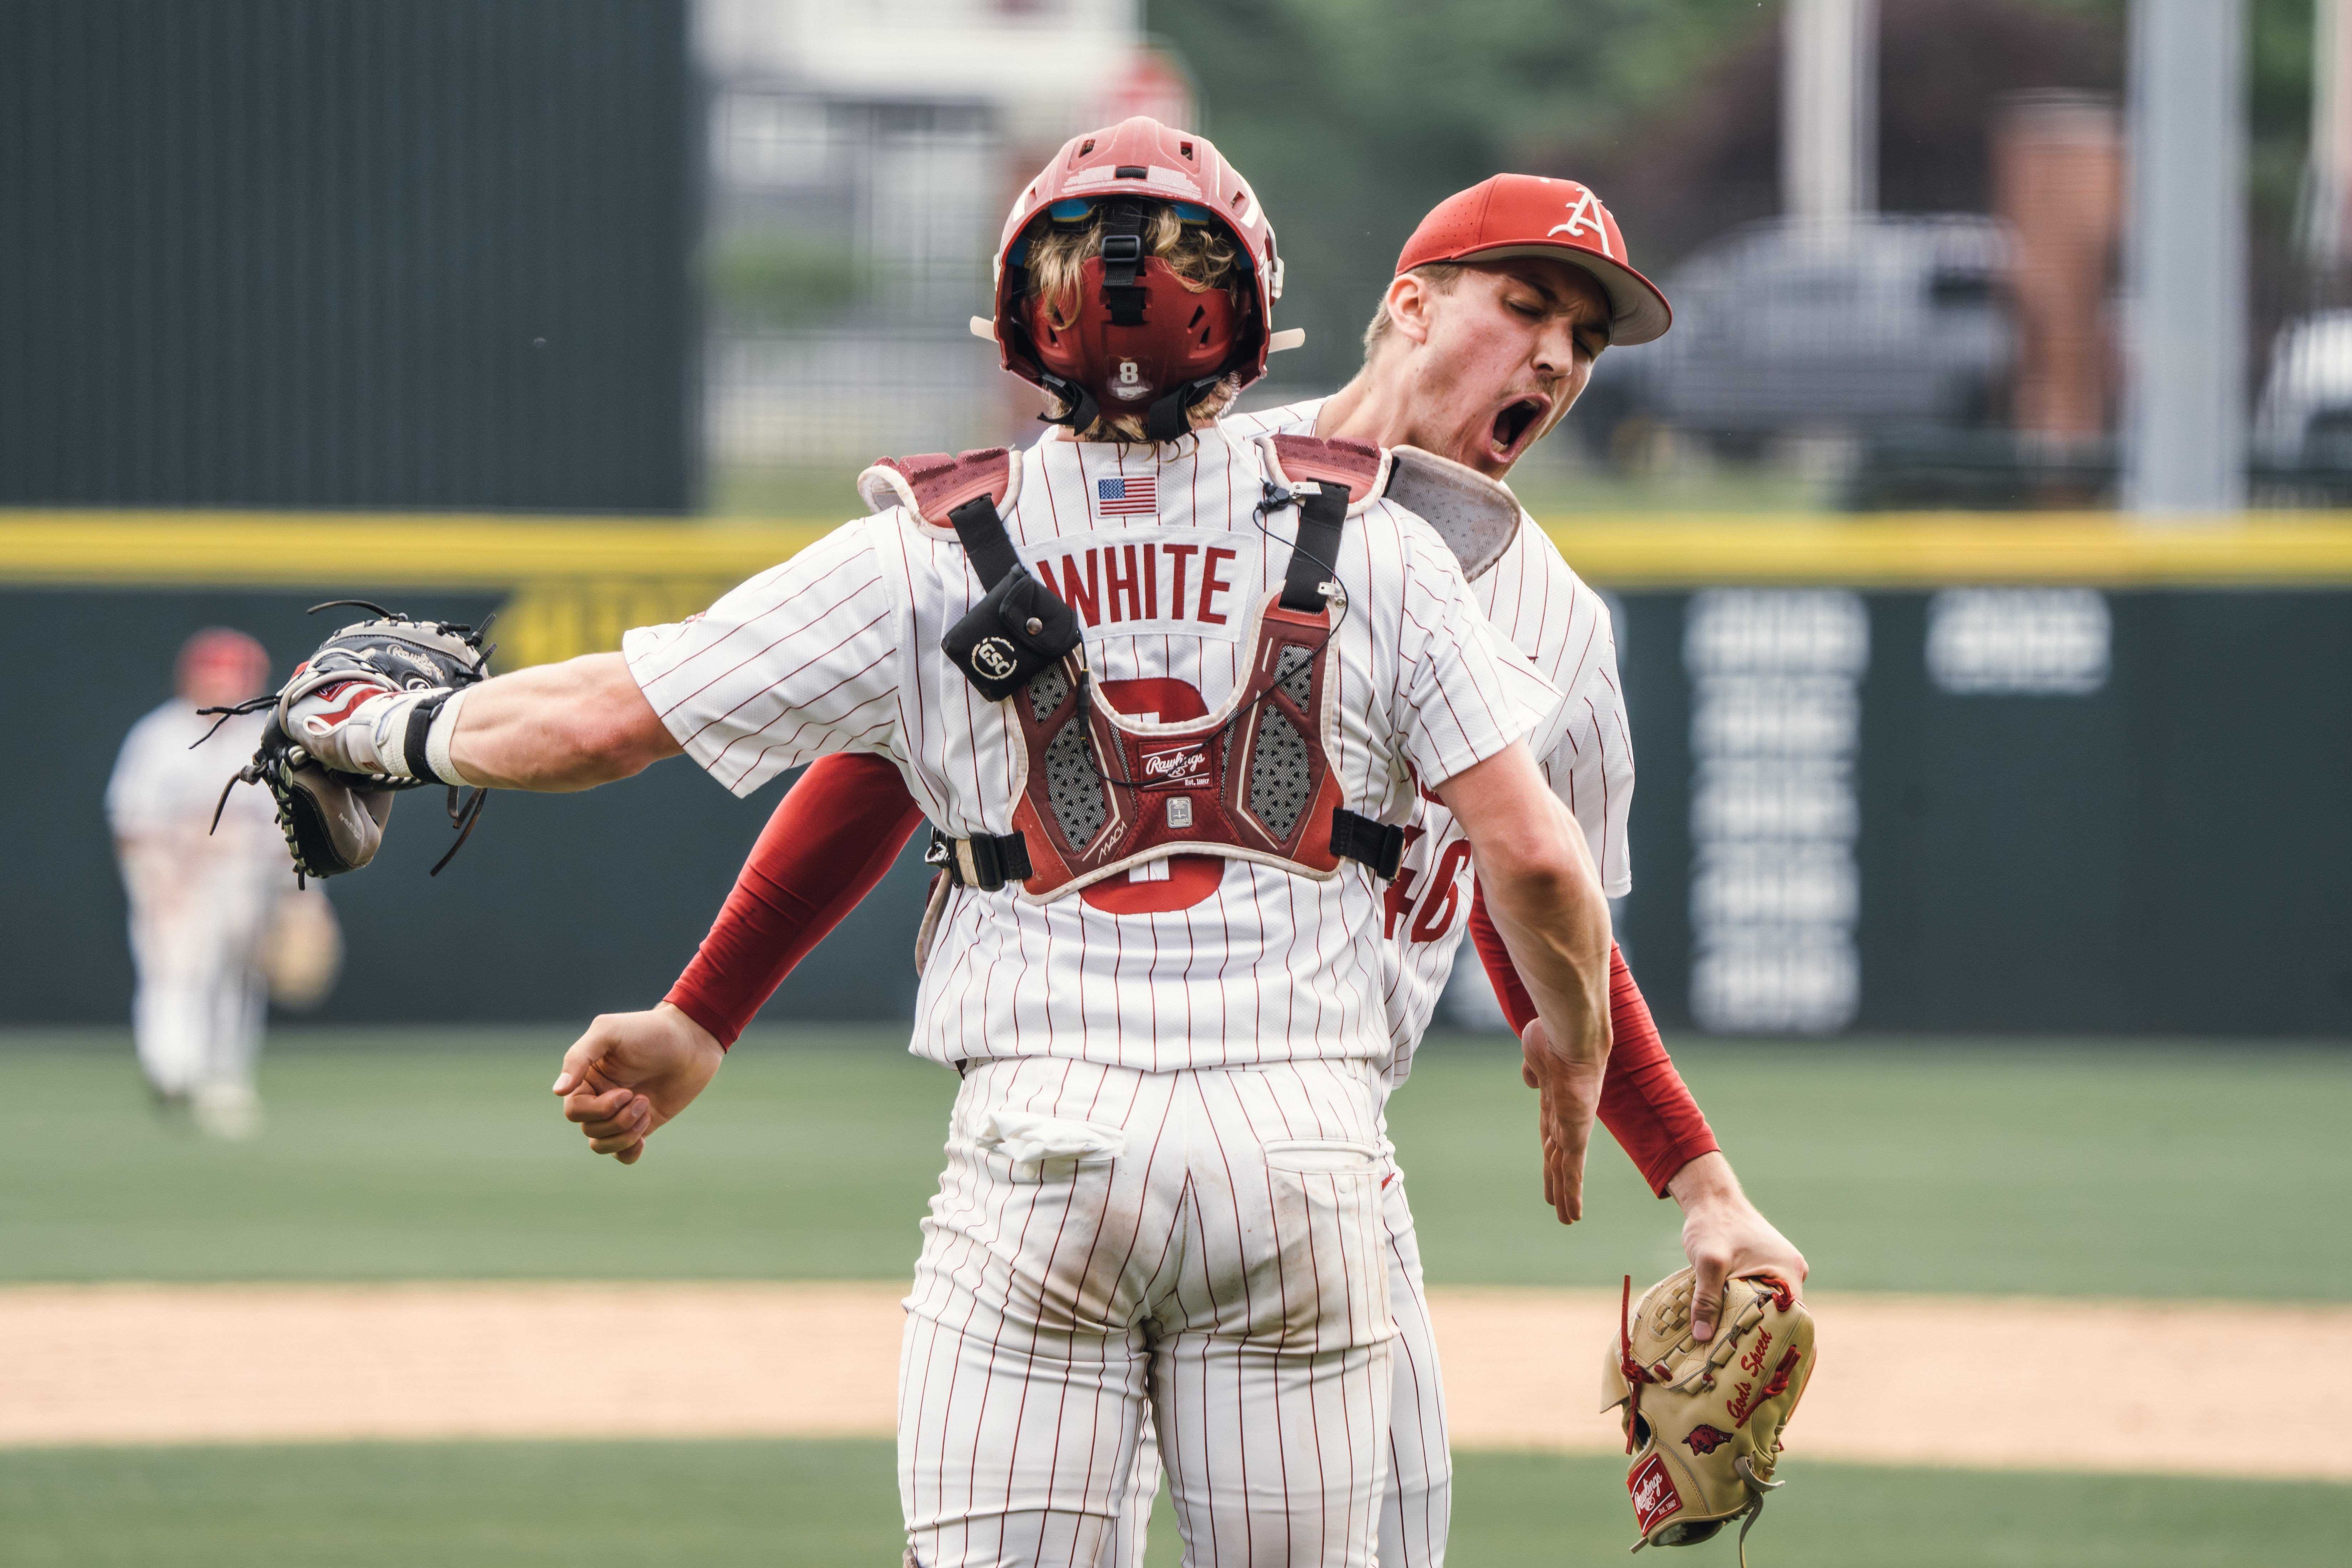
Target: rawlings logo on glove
{"x":356,"y":723}
{"x":1702,"y":1422}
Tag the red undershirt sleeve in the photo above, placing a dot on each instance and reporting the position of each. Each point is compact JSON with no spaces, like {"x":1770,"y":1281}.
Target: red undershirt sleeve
{"x":1644,"y":1104}
{"x":835,"y":834}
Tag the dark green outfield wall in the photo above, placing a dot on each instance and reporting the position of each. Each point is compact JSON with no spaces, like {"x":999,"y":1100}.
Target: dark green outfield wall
{"x":2167,"y":855}
{"x":364,"y":253}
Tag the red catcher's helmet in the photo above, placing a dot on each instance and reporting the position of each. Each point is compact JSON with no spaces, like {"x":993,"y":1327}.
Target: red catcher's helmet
{"x":1141,"y":341}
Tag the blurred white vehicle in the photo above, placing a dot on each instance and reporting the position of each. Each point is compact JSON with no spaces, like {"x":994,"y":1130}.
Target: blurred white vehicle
{"x":2304,"y":417}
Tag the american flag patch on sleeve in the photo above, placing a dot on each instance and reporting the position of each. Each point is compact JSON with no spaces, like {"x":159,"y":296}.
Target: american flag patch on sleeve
{"x":1138,"y":496}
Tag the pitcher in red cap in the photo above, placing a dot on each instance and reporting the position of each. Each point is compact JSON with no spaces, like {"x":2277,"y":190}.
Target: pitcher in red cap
{"x":1503,"y":299}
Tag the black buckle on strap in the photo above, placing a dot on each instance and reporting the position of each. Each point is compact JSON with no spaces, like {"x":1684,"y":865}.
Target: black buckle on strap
{"x":1376,"y":845}
{"x":1123,"y":260}
{"x":986,"y":861}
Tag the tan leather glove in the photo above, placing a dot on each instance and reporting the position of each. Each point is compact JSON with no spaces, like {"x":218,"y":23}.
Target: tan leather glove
{"x":1702,"y":1421}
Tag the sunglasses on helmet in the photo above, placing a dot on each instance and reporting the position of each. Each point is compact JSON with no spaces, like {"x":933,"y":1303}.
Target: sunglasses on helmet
{"x":1078,"y":210}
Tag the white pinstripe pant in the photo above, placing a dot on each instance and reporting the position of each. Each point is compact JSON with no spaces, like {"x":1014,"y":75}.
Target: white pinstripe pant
{"x":1204,"y":1248}
{"x":1417,"y":1504}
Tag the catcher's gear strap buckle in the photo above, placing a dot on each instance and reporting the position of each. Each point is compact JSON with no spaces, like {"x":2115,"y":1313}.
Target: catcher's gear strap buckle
{"x":1476,"y":516}
{"x":1358,"y":467}
{"x":1122,"y":253}
{"x":1376,"y":844}
{"x":985,"y":860}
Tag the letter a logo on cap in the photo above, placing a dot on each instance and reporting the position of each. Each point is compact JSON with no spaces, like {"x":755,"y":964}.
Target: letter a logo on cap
{"x":1512,"y":215}
{"x":1584,"y":216}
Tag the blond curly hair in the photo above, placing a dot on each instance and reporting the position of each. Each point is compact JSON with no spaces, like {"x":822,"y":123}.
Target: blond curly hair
{"x":1202,"y":259}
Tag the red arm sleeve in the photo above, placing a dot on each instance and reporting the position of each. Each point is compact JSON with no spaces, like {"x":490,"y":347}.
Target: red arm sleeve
{"x":834,"y":835}
{"x":1644,"y":1104}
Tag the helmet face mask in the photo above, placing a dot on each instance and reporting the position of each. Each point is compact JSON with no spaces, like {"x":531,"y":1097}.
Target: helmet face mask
{"x":1134,"y":282}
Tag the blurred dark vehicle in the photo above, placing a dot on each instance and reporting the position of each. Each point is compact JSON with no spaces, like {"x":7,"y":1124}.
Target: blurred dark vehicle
{"x":1866,"y":326}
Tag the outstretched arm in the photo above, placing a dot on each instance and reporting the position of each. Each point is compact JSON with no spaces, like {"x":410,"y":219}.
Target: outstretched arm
{"x":833,"y":837}
{"x":558,"y":727}
{"x":554,"y":727}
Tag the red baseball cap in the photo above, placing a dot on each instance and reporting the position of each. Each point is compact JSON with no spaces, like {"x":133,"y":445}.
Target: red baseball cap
{"x":1529,"y":214}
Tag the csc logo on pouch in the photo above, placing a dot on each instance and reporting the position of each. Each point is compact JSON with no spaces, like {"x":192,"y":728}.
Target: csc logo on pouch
{"x":993,"y":657}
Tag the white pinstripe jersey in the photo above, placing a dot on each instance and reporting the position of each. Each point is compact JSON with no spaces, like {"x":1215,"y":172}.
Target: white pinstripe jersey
{"x":1563,"y":626}
{"x":838,"y":649}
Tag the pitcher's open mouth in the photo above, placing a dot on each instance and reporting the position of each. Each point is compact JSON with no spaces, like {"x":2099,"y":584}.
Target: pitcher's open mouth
{"x":1512,"y":425}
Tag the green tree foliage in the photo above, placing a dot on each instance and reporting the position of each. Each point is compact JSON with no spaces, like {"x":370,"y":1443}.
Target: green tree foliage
{"x":1354,"y":117}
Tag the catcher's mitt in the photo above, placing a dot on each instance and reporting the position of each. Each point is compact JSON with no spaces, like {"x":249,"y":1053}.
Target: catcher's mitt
{"x":1702,"y":1421}
{"x":334,"y":818}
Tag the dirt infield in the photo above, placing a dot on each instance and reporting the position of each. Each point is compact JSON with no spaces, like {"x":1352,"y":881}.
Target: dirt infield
{"x":1985,"y":1383}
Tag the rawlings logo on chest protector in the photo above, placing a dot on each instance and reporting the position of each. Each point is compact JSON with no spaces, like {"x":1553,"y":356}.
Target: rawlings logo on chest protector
{"x":1254,"y":778}
{"x":1176,"y":767}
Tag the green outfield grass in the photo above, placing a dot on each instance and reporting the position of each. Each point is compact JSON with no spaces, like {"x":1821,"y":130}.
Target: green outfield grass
{"x":2058,"y":1169}
{"x":835,"y":1505}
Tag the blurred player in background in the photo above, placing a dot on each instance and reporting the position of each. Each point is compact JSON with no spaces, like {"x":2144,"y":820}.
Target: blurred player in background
{"x":215,"y":915}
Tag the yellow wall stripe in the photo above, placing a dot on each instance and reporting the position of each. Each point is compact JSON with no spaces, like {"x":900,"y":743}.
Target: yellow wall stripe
{"x":347,"y":550}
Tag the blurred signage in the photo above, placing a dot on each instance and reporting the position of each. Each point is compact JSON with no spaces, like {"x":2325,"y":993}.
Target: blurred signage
{"x":1775,"y":724}
{"x":549,"y":621}
{"x":2021,"y":642}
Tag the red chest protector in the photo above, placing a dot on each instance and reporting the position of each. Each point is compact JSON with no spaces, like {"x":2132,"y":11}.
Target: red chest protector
{"x":1103,"y":792}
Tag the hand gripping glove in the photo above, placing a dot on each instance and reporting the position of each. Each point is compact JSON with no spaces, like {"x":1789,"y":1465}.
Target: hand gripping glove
{"x":1703,"y":1421}
{"x":365,"y":716}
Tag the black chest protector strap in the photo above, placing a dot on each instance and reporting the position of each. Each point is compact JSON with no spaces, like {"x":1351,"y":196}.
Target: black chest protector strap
{"x":985,"y":860}
{"x":1020,"y":626}
{"x":1315,"y":558}
{"x":1376,"y":844}
{"x":1314,"y":568}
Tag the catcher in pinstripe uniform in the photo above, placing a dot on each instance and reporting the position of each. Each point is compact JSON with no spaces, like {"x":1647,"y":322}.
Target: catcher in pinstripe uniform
{"x":1171,"y":696}
{"x":1503,"y":299}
